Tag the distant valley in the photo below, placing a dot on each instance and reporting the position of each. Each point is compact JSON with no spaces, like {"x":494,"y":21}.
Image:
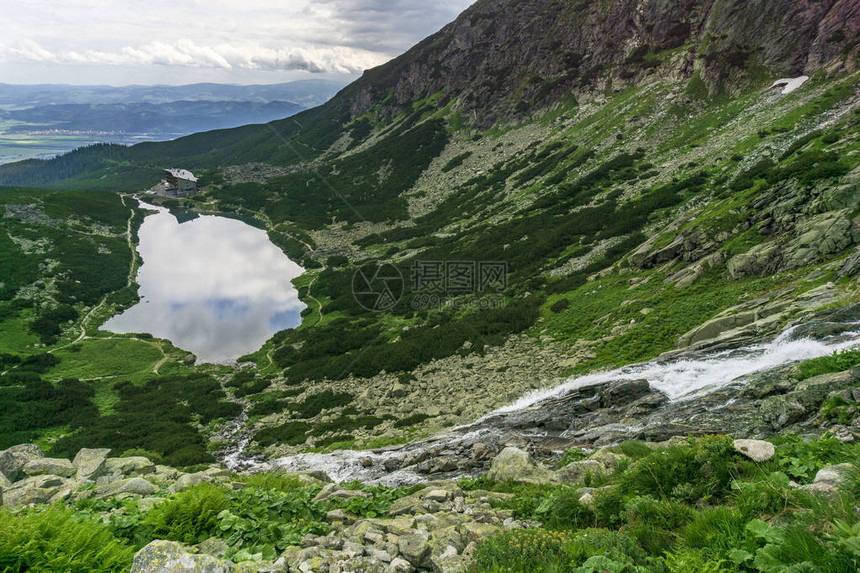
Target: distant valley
{"x":42,"y":121}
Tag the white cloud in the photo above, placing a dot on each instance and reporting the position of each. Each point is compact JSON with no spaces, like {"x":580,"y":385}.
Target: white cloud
{"x":186,"y":52}
{"x":316,"y":36}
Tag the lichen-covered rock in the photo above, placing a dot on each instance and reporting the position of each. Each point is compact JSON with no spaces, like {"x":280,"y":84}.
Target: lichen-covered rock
{"x":26,"y":496}
{"x":399,"y":565}
{"x":13,"y":460}
{"x":609,"y":459}
{"x":756,"y":450}
{"x":437,"y":495}
{"x":828,"y":479}
{"x":448,"y":561}
{"x":415,"y":548}
{"x":213,"y":546}
{"x":170,"y":557}
{"x":90,"y":463}
{"x":132,"y":486}
{"x":34,"y":490}
{"x":133,"y":466}
{"x":190,"y":480}
{"x":804,"y":399}
{"x":780,"y":411}
{"x":575,"y":472}
{"x":513,"y":464}
{"x":49,"y":466}
{"x":333,"y":491}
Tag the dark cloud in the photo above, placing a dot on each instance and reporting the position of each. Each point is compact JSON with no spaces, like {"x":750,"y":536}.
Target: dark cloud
{"x":391,"y":26}
{"x":222,"y":36}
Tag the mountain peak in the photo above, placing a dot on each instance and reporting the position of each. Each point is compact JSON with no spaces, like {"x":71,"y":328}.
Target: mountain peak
{"x":502,"y":58}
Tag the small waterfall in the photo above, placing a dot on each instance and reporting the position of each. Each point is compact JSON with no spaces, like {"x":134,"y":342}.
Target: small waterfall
{"x":235,"y":460}
{"x":689,"y":378}
{"x":680,"y":379}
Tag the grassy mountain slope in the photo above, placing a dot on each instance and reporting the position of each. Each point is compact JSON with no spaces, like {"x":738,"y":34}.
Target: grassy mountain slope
{"x":648,"y":192}
{"x":634,"y":194}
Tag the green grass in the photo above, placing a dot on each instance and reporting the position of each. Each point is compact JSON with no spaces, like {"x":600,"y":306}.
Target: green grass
{"x":15,"y":338}
{"x":837,"y":362}
{"x":190,"y":516}
{"x":54,"y":539}
{"x":698,"y":506}
{"x":107,"y":357}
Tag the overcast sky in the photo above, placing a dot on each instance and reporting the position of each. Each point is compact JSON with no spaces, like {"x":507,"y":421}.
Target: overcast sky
{"x":121,"y":42}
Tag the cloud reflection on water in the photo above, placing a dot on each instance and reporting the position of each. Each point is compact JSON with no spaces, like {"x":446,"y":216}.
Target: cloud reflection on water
{"x":214,"y":286}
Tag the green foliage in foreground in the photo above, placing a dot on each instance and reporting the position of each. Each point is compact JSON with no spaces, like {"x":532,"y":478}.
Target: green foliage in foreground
{"x":697,"y":507}
{"x":837,"y":362}
{"x":258,"y":522}
{"x":801,"y":459}
{"x":55,"y":539}
{"x":190,"y":517}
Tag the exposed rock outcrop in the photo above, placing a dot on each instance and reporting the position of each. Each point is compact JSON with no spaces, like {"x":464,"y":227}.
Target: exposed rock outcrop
{"x":171,"y":557}
{"x":500,"y":53}
{"x":756,"y":450}
{"x":90,"y":463}
{"x":13,"y":460}
{"x":513,"y":464}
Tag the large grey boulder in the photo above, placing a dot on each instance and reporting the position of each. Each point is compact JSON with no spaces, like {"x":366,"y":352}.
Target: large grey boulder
{"x":90,"y":463}
{"x":829,"y":479}
{"x":513,"y":464}
{"x":756,"y":450}
{"x":171,"y":557}
{"x":575,"y":472}
{"x":415,"y":548}
{"x":13,"y":460}
{"x":132,"y":486}
{"x":49,"y":466}
{"x":134,"y":466}
{"x":34,"y":490}
{"x":190,"y":480}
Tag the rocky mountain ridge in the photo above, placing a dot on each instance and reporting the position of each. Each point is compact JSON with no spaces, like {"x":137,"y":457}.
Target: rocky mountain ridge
{"x":666,"y":210}
{"x":501,"y":59}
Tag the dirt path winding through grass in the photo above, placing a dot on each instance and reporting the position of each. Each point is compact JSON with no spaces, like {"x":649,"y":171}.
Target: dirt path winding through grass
{"x":133,"y":268}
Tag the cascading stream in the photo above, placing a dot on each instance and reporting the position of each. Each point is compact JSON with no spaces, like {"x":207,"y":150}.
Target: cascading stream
{"x":689,"y":378}
{"x":681,"y":380}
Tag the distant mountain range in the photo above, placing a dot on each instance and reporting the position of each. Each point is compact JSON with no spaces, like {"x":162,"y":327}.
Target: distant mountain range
{"x":172,"y":118}
{"x":307,"y":93}
{"x":42,"y":121}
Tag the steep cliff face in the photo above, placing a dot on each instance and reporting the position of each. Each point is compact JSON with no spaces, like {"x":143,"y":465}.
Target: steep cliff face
{"x":501,"y":58}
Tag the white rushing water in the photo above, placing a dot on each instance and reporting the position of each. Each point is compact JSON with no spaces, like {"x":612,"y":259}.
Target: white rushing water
{"x":684,"y":379}
{"x":680,"y":379}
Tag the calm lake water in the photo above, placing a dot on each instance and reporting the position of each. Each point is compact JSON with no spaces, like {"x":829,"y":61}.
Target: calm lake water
{"x":214,"y":286}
